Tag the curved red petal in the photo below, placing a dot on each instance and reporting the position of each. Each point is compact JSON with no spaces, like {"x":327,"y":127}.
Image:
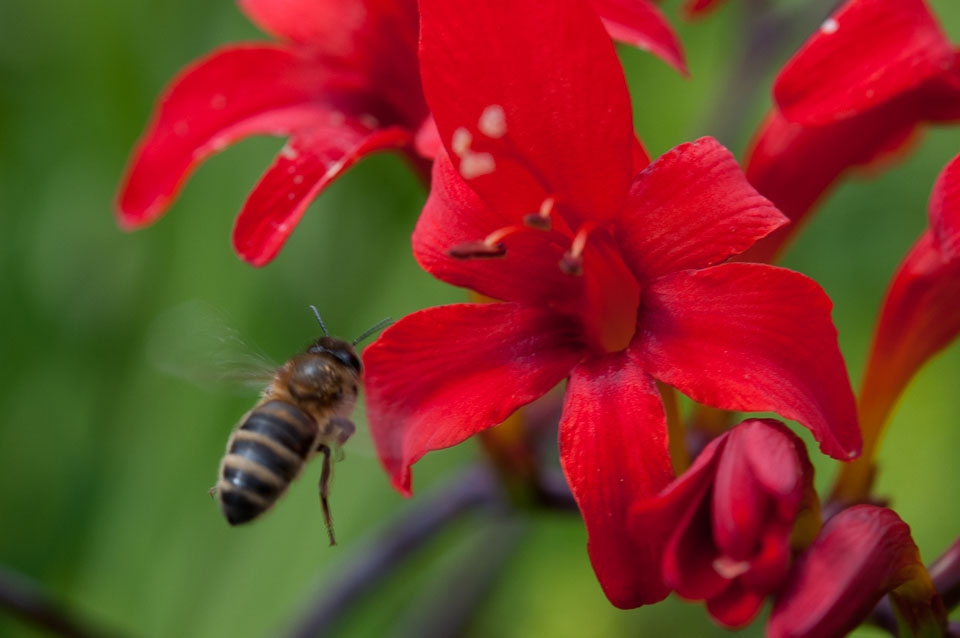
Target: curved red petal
{"x":641,"y":24}
{"x":861,"y":554}
{"x":309,"y":162}
{"x":795,"y":165}
{"x":690,"y":555}
{"x":920,"y":316}
{"x":735,"y":606}
{"x":537,"y":95}
{"x":755,"y":338}
{"x":945,"y":210}
{"x":613,"y":448}
{"x":441,"y":375}
{"x":234,"y":92}
{"x":866,"y":53}
{"x":454,"y":214}
{"x":691,"y":208}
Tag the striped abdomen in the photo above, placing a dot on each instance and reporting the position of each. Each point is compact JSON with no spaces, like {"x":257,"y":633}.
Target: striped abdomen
{"x":264,"y":454}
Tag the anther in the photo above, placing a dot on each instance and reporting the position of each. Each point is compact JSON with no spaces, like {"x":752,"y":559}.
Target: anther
{"x":477,"y":249}
{"x":541,"y":220}
{"x":572,"y":261}
{"x":490,"y":246}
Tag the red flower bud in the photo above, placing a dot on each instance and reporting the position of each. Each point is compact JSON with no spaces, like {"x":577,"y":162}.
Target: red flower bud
{"x":731,"y":519}
{"x":863,"y":553}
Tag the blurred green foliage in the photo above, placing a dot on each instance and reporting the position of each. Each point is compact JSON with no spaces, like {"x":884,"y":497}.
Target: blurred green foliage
{"x":105,"y":462}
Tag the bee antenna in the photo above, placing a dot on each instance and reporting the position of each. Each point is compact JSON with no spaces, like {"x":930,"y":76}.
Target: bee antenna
{"x":317,"y":314}
{"x":380,"y":325}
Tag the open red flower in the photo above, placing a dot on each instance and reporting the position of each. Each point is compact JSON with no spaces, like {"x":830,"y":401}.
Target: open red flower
{"x":862,"y":554}
{"x":731,"y":517}
{"x":919,"y":317}
{"x":607,"y":273}
{"x":342,"y":83}
{"x":854,"y":96}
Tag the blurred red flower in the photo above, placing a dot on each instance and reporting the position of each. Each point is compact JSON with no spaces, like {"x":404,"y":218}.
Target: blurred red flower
{"x":341,"y":83}
{"x":731,"y":517}
{"x":919,"y":317}
{"x":853,"y":96}
{"x":546,"y":177}
{"x":861,"y":554}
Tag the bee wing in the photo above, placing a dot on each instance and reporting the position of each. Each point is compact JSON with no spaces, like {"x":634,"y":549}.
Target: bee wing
{"x":196,"y":342}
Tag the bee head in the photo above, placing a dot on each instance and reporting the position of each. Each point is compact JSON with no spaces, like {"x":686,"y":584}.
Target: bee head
{"x":340,"y":350}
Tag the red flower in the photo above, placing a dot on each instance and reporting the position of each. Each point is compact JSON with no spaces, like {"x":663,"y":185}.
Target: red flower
{"x":342,"y":83}
{"x":863,"y":553}
{"x":920,"y":316}
{"x":730,"y":518}
{"x":648,"y":303}
{"x":854,"y":95}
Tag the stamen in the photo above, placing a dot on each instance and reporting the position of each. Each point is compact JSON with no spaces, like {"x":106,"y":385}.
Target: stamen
{"x":490,"y":246}
{"x":572,"y":261}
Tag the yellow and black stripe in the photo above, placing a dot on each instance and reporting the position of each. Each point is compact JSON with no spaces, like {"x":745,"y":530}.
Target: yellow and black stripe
{"x":264,"y":454}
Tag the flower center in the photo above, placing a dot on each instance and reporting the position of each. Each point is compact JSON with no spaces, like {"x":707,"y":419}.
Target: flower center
{"x":604,"y":294}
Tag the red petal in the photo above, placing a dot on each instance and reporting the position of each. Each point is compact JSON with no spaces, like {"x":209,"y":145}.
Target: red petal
{"x":699,"y":8}
{"x":794,"y":165}
{"x":920,"y":317}
{"x":309,"y":162}
{"x":454,"y":214}
{"x":688,"y":560}
{"x":232,"y":93}
{"x":551,"y":71}
{"x":861,"y":554}
{"x":740,"y":506}
{"x":867,"y":53}
{"x":670,"y":514}
{"x":945,"y":210}
{"x":751,"y":337}
{"x":427,"y":141}
{"x":641,"y":24}
{"x":613,"y":448}
{"x":691,"y":208}
{"x":736,"y":606}
{"x":441,"y":375}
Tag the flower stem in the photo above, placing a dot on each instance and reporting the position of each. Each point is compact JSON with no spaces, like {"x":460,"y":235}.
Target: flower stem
{"x":25,"y":599}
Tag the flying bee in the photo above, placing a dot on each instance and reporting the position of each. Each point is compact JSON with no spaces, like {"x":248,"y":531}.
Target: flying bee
{"x":304,"y":411}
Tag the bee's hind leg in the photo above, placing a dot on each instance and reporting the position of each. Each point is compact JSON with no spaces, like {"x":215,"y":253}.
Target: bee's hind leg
{"x":325,"y":476}
{"x":212,"y":491}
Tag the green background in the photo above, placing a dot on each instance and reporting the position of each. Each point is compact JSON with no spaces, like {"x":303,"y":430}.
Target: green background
{"x":105,"y":461}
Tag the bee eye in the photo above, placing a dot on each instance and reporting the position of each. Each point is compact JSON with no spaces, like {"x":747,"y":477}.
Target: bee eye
{"x":348,"y":359}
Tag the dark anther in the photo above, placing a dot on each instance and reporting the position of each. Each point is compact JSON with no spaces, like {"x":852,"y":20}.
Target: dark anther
{"x":536,"y":220}
{"x":477,"y":249}
{"x":571,"y":264}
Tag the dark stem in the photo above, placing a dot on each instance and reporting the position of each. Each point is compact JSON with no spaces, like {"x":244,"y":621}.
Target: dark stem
{"x":382,"y":553}
{"x":945,"y":573}
{"x":25,"y":599}
{"x":446,"y":609}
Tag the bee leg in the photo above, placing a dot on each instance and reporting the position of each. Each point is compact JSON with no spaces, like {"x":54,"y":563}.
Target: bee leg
{"x":325,"y":476}
{"x":212,"y":491}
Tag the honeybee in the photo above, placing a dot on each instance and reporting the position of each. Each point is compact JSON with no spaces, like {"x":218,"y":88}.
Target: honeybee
{"x":304,"y":411}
